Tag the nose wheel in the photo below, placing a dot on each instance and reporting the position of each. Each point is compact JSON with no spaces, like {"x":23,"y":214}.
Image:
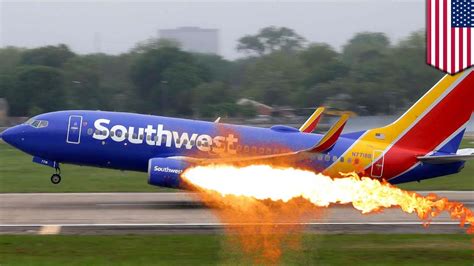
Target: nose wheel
{"x":56,"y":178}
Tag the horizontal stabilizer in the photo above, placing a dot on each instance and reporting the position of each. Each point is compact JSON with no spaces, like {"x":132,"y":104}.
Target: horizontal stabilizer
{"x":461,"y":155}
{"x":331,"y":136}
{"x":312,"y":121}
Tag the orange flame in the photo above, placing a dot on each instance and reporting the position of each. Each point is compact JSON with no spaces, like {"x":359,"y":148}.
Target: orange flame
{"x":267,"y":195}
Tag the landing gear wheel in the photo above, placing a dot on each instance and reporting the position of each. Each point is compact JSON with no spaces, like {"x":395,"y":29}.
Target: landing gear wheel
{"x":55,"y":179}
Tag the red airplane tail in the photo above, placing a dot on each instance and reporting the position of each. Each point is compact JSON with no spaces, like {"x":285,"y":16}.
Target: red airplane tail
{"x":438,"y":120}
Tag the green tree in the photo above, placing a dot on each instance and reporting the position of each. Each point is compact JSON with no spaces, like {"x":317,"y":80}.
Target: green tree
{"x":214,"y":99}
{"x":218,"y":68}
{"x":365,"y":46}
{"x":271,"y":39}
{"x":115,"y":82}
{"x":82,"y":81}
{"x":275,"y":79}
{"x":36,"y":89}
{"x":154,"y":43}
{"x":10,"y":57}
{"x":52,"y":56}
{"x":322,"y":64}
{"x":410,"y":72}
{"x":165,"y":77}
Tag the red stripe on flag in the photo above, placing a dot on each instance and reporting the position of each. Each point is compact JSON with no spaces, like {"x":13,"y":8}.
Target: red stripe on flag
{"x":469,"y":63}
{"x":436,"y":32}
{"x":428,"y":31}
{"x":445,"y":32}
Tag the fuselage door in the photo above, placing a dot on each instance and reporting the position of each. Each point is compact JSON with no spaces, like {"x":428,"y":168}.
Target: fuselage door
{"x":74,"y":129}
{"x":377,"y":164}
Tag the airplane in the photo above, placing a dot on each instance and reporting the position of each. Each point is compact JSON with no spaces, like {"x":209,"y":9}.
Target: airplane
{"x":423,"y":143}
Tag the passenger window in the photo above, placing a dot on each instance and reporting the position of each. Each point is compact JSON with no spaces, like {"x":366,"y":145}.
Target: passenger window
{"x":134,"y":135}
{"x":185,"y":142}
{"x":97,"y":132}
{"x":119,"y":134}
{"x":112,"y":133}
{"x":327,"y":158}
{"x":90,"y":131}
{"x":246,"y":148}
{"x":341,"y":159}
{"x":148,"y":137}
{"x":261,"y":150}
{"x":349,"y":160}
{"x":141,"y":137}
{"x":156,"y":138}
{"x":334,"y":158}
{"x":191,"y":142}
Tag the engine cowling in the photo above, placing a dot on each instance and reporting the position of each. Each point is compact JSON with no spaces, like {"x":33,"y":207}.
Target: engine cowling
{"x":166,"y":172}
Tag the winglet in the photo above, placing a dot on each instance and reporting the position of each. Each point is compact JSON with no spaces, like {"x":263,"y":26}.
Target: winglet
{"x":312,"y":121}
{"x":217,"y":120}
{"x":331,"y":136}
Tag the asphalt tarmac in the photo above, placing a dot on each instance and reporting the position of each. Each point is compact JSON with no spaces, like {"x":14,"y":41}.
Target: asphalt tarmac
{"x":157,"y":213}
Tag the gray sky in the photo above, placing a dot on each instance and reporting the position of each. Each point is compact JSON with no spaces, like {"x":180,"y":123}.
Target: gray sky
{"x":118,"y":25}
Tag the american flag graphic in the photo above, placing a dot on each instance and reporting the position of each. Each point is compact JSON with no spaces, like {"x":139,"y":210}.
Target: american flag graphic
{"x":450,"y":39}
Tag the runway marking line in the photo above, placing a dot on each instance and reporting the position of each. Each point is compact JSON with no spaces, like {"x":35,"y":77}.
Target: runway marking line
{"x":49,"y":230}
{"x":58,"y":226}
{"x":189,"y":193}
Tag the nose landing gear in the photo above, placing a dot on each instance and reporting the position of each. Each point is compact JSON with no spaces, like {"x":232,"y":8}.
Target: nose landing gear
{"x":56,"y":178}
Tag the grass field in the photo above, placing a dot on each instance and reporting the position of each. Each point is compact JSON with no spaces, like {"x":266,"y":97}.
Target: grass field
{"x":19,"y":174}
{"x":214,"y":249}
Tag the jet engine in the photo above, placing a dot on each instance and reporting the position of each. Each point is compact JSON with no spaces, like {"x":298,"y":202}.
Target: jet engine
{"x":166,"y":172}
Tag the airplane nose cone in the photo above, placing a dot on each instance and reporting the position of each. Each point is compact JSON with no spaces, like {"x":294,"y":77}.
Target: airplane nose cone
{"x":11,"y":135}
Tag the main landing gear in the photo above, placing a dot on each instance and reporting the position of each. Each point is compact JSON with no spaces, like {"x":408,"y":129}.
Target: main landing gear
{"x":56,"y":178}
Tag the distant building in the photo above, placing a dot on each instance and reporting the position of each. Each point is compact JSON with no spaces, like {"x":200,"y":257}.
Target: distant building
{"x":194,"y":39}
{"x":3,"y":111}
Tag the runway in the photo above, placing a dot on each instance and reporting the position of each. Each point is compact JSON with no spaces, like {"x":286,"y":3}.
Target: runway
{"x":155,"y":213}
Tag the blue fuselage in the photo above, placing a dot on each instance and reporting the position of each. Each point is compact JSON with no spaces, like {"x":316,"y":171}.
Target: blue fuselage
{"x":128,"y":141}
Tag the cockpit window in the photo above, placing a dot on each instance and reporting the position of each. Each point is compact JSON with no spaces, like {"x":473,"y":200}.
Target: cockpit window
{"x":43,"y":123}
{"x":30,"y":121}
{"x":37,"y":123}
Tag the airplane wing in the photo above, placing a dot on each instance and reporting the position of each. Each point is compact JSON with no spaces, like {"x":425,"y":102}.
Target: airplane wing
{"x":312,"y":121}
{"x":326,"y":143}
{"x":461,"y":155}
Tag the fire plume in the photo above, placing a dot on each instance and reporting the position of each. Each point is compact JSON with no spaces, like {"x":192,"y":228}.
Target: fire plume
{"x":263,"y":182}
{"x":267,"y":194}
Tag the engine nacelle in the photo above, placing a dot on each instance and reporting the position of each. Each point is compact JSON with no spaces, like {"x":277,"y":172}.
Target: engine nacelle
{"x":166,"y":172}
